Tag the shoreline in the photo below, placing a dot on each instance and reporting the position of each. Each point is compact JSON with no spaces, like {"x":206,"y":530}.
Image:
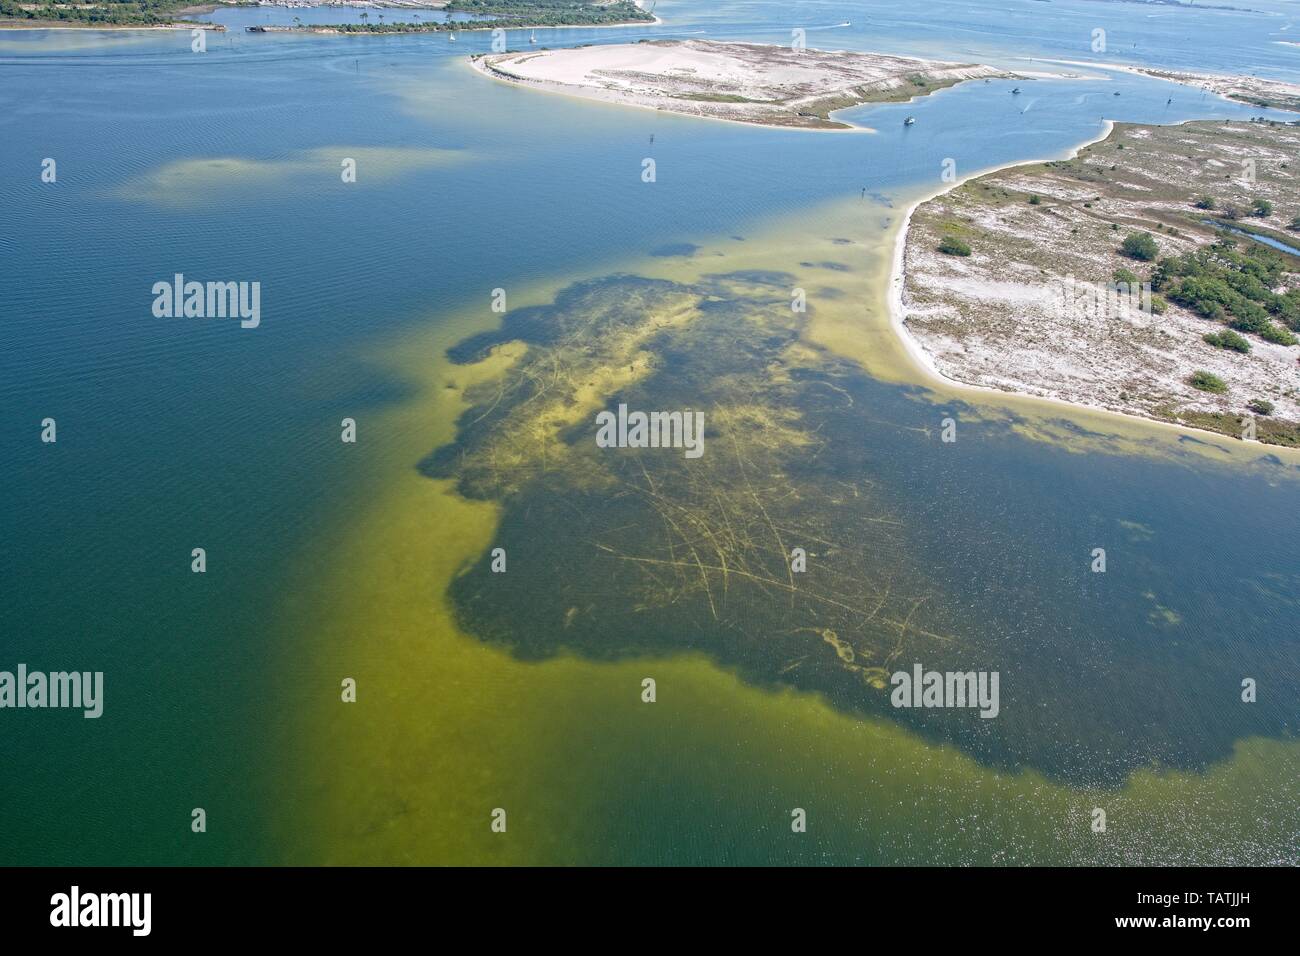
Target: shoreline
{"x":1201,"y":81}
{"x":330,"y":29}
{"x":897,"y":279}
{"x":924,"y":363}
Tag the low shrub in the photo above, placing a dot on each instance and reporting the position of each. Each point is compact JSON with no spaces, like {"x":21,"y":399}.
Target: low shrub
{"x":1207,"y":382}
{"x":1227,"y":339}
{"x":953,"y":246}
{"x":1140,"y":246}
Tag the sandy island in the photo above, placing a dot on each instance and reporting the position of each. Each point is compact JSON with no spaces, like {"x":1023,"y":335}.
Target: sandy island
{"x":740,"y":82}
{"x":1030,"y":310}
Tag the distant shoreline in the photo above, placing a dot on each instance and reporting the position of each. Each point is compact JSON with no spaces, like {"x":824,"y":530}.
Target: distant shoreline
{"x":64,"y":25}
{"x":328,"y":29}
{"x":1253,"y":90}
{"x":458,"y":27}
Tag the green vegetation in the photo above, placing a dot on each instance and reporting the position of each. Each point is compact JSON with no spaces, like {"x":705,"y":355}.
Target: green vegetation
{"x":716,"y":98}
{"x":1034,"y":200}
{"x":1140,"y":245}
{"x":1261,"y":208}
{"x":1166,"y":233}
{"x":514,"y":14}
{"x":1235,"y":286}
{"x":1279,"y":336}
{"x":1260,"y":406}
{"x":1268,"y":430}
{"x":107,"y":12}
{"x":822,"y":108}
{"x":1207,"y":382}
{"x":954,"y":246}
{"x":1227,"y":339}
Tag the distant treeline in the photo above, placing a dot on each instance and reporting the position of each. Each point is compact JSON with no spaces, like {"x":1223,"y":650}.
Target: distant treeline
{"x":509,"y":14}
{"x":115,"y":12}
{"x":568,"y":11}
{"x":497,"y":13}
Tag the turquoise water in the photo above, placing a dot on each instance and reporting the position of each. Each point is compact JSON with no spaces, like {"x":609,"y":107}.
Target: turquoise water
{"x":176,"y":434}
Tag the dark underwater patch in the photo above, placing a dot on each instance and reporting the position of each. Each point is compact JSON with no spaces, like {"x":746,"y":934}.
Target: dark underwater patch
{"x":831,"y":266}
{"x":675,"y":249}
{"x":911,"y":556}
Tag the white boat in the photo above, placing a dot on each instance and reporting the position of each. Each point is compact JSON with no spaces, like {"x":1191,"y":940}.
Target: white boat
{"x":533,"y":38}
{"x":451,"y":37}
{"x":909,"y":121}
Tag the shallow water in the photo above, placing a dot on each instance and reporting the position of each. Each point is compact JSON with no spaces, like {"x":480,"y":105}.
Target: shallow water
{"x":328,"y":560}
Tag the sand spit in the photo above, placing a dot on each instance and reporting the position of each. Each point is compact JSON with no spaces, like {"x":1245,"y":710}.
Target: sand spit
{"x":1255,"y":90}
{"x":742,"y":82}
